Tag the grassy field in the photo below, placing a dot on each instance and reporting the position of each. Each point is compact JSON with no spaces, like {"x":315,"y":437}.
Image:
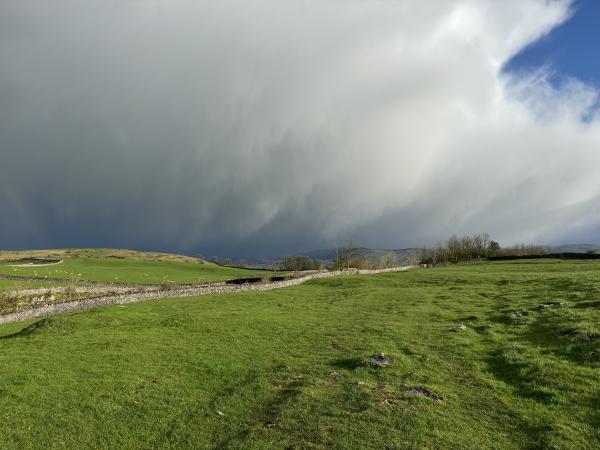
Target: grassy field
{"x":287,"y":368}
{"x":113,"y":270}
{"x":9,"y":285}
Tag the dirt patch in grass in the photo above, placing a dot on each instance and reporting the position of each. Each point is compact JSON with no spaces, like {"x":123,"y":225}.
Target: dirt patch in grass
{"x":424,"y":392}
{"x":379,"y":360}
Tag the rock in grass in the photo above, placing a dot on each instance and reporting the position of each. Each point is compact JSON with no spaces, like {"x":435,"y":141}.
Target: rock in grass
{"x":519,"y":316}
{"x":459,"y":327}
{"x":424,"y":392}
{"x":578,"y":335}
{"x":551,"y":305}
{"x":379,"y":360}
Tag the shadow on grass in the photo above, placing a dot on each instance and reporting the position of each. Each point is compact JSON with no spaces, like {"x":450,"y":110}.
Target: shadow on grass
{"x":513,"y":373}
{"x":348,"y":363}
{"x":268,"y":414}
{"x":503,"y":318}
{"x":288,"y":391}
{"x":44,"y":326}
{"x":557,"y":337}
{"x":584,"y":305}
{"x":467,"y":319}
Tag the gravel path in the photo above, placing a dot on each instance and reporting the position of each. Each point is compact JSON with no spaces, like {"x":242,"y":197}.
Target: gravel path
{"x":182,"y":291}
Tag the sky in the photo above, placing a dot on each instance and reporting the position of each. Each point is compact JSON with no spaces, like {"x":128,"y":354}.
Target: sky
{"x":262,"y":127}
{"x":570,"y":50}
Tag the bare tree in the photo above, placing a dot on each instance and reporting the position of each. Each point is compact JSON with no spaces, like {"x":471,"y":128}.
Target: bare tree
{"x":460,"y":248}
{"x":346,"y":255}
{"x":493,"y":248}
{"x":301,"y":262}
{"x":416,"y":256}
{"x":389,"y":259}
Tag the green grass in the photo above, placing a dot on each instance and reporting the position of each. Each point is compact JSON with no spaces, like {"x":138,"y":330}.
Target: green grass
{"x":9,"y":285}
{"x":130,"y":271}
{"x":156,"y":374}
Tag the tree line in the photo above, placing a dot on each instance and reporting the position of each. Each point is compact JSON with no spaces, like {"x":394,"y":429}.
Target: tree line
{"x":454,"y":250}
{"x":347,"y":256}
{"x":351,"y":255}
{"x":472,"y":248}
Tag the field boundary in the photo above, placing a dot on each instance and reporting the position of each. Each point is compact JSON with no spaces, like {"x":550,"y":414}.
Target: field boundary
{"x":191,"y":291}
{"x":566,"y":256}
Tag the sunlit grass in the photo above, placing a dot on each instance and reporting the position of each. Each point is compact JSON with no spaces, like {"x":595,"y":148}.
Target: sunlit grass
{"x":129,"y":271}
{"x":286,"y":368}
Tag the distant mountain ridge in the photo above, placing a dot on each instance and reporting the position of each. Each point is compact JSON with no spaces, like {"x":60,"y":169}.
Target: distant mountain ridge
{"x":327,"y":255}
{"x":573,"y":248}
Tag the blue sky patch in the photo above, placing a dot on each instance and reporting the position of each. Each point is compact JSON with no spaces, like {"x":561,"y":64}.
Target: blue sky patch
{"x":571,"y":50}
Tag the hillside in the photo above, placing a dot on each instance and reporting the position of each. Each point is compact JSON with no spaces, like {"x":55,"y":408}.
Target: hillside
{"x":57,"y":276}
{"x":57,"y":254}
{"x":574,"y":248}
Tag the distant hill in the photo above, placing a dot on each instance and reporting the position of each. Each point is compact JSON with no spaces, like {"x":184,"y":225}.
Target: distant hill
{"x":327,"y":255}
{"x":573,"y":248}
{"x":15,"y":255}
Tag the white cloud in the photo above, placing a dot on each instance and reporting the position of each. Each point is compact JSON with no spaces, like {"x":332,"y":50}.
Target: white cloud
{"x":286,"y":125}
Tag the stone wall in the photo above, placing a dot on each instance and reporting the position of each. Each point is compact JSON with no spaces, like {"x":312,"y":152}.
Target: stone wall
{"x":191,"y":291}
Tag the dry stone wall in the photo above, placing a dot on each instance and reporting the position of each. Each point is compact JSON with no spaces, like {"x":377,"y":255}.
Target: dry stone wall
{"x":191,"y":291}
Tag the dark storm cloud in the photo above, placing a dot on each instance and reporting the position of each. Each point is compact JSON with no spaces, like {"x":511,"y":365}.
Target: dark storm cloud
{"x":262,"y":126}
